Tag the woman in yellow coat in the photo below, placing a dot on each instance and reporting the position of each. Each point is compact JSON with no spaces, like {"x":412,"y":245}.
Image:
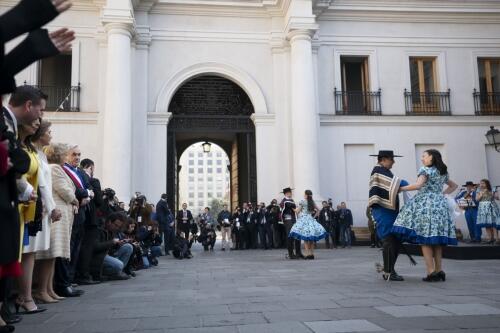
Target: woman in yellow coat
{"x":30,"y":212}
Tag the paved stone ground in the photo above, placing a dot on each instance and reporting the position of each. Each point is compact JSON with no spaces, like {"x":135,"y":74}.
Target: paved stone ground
{"x":260,"y":291}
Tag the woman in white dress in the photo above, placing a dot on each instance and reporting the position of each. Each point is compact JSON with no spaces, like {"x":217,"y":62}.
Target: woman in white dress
{"x":41,"y":242}
{"x":307,"y":228}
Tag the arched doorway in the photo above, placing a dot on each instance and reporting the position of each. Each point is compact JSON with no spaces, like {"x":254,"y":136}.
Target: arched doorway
{"x":204,"y":177}
{"x":215,"y":109}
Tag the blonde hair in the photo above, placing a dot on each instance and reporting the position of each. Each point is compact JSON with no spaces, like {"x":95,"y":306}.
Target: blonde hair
{"x":56,"y":153}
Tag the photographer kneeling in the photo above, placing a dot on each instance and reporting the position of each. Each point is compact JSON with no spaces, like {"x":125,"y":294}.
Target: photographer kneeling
{"x":150,"y":242}
{"x":207,"y":236}
{"x":111,"y":255}
{"x":182,"y":247}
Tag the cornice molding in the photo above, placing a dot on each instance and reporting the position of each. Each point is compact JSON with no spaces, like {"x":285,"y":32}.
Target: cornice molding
{"x":144,"y":5}
{"x":210,"y":36}
{"x":223,"y":8}
{"x":451,"y":6}
{"x":407,"y":41}
{"x":263,"y":119}
{"x":334,"y":120}
{"x":159,"y":118}
{"x":66,"y":118}
{"x":423,"y":11}
{"x":78,"y":5}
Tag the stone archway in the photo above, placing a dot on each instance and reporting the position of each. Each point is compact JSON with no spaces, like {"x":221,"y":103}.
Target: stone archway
{"x":241,"y":78}
{"x":213,"y":108}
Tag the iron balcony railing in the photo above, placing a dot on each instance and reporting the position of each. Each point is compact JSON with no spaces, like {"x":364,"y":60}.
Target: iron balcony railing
{"x":486,"y":104}
{"x":358,"y":102}
{"x":61,"y":98}
{"x":427,"y":103}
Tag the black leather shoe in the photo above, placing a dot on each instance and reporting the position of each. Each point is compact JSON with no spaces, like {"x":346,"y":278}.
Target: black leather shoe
{"x":120,"y":276}
{"x":441,"y":276}
{"x":7,"y":329}
{"x":292,"y":256}
{"x":433,"y":277}
{"x":8,"y":316}
{"x":87,"y":282}
{"x":393,"y":277}
{"x":69,"y":292}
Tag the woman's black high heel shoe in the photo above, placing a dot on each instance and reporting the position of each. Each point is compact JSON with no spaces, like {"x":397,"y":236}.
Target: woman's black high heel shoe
{"x":441,"y":276}
{"x":7,"y":329}
{"x":25,"y":309}
{"x":431,"y":277}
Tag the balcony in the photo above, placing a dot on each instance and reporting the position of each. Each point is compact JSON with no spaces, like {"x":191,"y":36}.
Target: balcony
{"x":356,"y":103}
{"x":427,"y":103}
{"x":61,"y":98}
{"x":486,"y":104}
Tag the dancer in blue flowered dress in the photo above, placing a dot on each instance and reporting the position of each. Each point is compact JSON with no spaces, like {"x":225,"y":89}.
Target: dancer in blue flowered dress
{"x":307,"y":228}
{"x":427,"y":219}
{"x":487,"y":212}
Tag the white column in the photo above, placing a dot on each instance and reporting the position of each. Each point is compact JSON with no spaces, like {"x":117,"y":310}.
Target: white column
{"x":116,"y":144}
{"x":267,"y":178}
{"x":139,"y":115}
{"x":304,"y":115}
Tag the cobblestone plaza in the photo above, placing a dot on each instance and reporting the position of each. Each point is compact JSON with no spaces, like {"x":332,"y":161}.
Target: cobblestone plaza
{"x":260,"y":291}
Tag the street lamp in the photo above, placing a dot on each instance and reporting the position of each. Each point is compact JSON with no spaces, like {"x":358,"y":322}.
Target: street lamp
{"x":206,"y":147}
{"x":493,"y":137}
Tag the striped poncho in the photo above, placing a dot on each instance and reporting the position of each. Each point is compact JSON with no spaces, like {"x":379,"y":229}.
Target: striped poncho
{"x":384,"y":187}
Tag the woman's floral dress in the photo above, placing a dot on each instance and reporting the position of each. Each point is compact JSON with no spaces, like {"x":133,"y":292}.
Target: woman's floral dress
{"x":307,"y":228}
{"x":487,"y":211}
{"x":427,"y":218}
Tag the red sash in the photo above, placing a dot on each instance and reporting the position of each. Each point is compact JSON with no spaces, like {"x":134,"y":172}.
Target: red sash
{"x":76,"y":180}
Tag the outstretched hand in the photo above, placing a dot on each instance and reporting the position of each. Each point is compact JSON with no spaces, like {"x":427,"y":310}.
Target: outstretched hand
{"x":62,"y":5}
{"x":62,"y":38}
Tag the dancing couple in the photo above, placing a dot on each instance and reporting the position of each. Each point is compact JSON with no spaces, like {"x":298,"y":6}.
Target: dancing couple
{"x":300,"y":224}
{"x":426,"y":219}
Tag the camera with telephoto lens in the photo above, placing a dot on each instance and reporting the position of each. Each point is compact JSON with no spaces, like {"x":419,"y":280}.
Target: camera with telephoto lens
{"x":108,"y":194}
{"x":139,"y":201}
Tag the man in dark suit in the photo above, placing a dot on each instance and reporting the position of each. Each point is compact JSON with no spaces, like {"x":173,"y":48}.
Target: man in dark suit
{"x":25,"y":106}
{"x":289,"y":218}
{"x":184,"y":219}
{"x":326,"y":219}
{"x":91,"y":223}
{"x":166,"y":223}
{"x":346,"y":223}
{"x":265,"y":227}
{"x":251,"y":226}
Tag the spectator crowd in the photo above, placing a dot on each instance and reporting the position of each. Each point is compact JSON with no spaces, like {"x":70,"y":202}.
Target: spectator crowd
{"x":59,"y":229}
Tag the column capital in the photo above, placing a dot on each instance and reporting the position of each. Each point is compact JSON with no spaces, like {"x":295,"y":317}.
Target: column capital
{"x":278,"y":44}
{"x":117,"y":27}
{"x":300,"y":34}
{"x":118,"y":17}
{"x":142,"y":37}
{"x":315,"y":45}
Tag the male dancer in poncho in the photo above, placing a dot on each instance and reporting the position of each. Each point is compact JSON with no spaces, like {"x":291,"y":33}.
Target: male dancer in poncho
{"x":384,"y":204}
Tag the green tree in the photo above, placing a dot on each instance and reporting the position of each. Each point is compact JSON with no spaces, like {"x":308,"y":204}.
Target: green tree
{"x":215,"y":208}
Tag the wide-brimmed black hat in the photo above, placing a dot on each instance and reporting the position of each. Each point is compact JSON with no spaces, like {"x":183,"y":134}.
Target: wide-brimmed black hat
{"x":386,"y":153}
{"x":286,"y":190}
{"x":469,"y":183}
